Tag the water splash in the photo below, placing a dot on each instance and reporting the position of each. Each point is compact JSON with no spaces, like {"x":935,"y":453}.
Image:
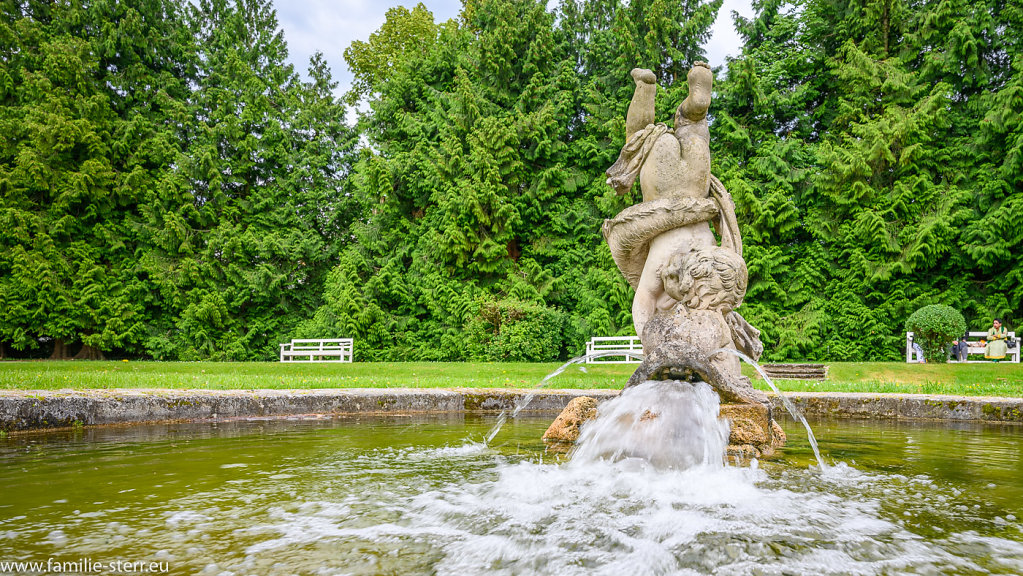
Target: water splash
{"x":710,"y":426}
{"x":789,"y":406}
{"x":525,"y":400}
{"x":379,"y":498}
{"x":668,"y":424}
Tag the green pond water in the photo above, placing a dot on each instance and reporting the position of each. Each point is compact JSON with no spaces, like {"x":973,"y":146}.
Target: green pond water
{"x":423,"y":495}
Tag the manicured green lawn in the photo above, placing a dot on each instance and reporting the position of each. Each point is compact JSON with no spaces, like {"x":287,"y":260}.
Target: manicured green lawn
{"x":962,"y":379}
{"x":985,"y":379}
{"x":46,"y":375}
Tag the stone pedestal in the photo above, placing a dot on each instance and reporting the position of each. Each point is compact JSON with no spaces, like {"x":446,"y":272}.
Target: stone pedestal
{"x":753,"y":433}
{"x":565,"y":428}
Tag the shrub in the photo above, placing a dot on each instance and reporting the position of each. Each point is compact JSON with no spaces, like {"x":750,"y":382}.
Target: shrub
{"x":514,"y":331}
{"x":934,"y":327}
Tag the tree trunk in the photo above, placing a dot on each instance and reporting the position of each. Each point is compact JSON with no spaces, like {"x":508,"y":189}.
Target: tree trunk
{"x":3,"y":350}
{"x":514,"y":251}
{"x":89,"y":353}
{"x":59,"y":350}
{"x":886,"y":25}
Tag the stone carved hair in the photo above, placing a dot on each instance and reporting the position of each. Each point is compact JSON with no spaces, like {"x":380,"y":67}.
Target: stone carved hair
{"x":711,"y":278}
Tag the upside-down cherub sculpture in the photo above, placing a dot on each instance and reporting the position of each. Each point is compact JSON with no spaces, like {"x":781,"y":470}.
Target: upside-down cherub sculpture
{"x":681,"y":198}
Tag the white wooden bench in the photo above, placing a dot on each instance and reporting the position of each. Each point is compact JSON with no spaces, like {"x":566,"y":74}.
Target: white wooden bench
{"x":614,"y":344}
{"x":977,"y":344}
{"x":318,"y":350}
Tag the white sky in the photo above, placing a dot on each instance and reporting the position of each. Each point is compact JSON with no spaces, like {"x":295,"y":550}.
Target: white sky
{"x":330,"y":26}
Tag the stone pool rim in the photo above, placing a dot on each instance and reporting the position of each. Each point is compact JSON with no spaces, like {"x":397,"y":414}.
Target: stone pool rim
{"x":36,"y":410}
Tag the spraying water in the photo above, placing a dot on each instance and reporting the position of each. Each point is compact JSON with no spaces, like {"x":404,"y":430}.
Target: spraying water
{"x":671,"y":425}
{"x":371,"y":496}
{"x":525,"y":400}
{"x":789,"y":406}
{"x":621,"y":431}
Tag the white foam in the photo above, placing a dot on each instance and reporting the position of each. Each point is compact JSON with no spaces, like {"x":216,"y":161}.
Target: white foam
{"x":666,"y":424}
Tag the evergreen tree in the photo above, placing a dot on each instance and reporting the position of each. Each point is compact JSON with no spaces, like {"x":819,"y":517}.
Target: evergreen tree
{"x":766,"y":122}
{"x":490,"y":147}
{"x":849,"y":139}
{"x":83,"y":90}
{"x":988,"y":38}
{"x":261,"y":215}
{"x":170,"y":187}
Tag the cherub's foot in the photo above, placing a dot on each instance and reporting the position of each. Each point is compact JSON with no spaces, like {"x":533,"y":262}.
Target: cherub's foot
{"x":643,"y":76}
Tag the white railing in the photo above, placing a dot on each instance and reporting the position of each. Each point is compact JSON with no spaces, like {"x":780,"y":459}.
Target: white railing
{"x":977,"y":346}
{"x":318,"y":350}
{"x":614,"y":344}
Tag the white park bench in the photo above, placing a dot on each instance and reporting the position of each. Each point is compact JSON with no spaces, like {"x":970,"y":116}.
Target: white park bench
{"x":622,"y":344}
{"x":317,"y":350}
{"x":974,"y":339}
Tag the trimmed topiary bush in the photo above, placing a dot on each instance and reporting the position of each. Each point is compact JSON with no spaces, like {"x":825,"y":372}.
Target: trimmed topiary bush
{"x":510,"y":330}
{"x":934,"y":327}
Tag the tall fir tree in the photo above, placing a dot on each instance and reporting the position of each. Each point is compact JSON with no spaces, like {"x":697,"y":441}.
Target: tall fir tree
{"x":85,"y":95}
{"x":870,"y":111}
{"x":766,"y":121}
{"x":491,"y":135}
{"x":261,"y":212}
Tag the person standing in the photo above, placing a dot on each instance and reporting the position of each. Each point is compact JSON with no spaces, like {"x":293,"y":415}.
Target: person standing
{"x":996,"y":346}
{"x":961,"y":348}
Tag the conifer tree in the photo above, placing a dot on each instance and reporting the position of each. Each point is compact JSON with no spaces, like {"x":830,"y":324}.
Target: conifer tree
{"x":82,"y":95}
{"x":261,"y":212}
{"x":765,"y":125}
{"x":988,"y":37}
{"x":491,"y":137}
{"x":871,"y":110}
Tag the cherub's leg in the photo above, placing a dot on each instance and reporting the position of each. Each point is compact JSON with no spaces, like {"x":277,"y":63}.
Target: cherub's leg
{"x":641,"y":109}
{"x":701,"y":82}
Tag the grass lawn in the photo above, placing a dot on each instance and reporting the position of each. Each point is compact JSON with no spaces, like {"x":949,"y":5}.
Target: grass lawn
{"x":46,"y":375}
{"x":987,"y":379}
{"x":962,"y":379}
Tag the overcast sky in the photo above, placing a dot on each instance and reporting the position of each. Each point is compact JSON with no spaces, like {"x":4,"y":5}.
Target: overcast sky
{"x":330,"y":26}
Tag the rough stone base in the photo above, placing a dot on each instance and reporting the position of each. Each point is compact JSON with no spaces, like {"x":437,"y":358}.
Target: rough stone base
{"x":26,"y":410}
{"x":565,"y":428}
{"x":753,"y":433}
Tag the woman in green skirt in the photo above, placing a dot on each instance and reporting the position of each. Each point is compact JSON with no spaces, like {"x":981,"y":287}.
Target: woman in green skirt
{"x":996,"y":347}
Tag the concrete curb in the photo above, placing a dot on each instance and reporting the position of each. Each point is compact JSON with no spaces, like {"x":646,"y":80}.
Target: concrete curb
{"x":907,"y":407}
{"x":22,"y":410}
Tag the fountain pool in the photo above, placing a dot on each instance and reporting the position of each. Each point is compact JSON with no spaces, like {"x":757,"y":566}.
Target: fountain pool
{"x":409,"y":495}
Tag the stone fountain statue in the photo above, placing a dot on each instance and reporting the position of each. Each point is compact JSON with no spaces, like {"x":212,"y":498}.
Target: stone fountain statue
{"x":688,"y":287}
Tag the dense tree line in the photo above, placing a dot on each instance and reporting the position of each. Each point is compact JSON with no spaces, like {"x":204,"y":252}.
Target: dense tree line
{"x":171,"y":188}
{"x":874,"y":150}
